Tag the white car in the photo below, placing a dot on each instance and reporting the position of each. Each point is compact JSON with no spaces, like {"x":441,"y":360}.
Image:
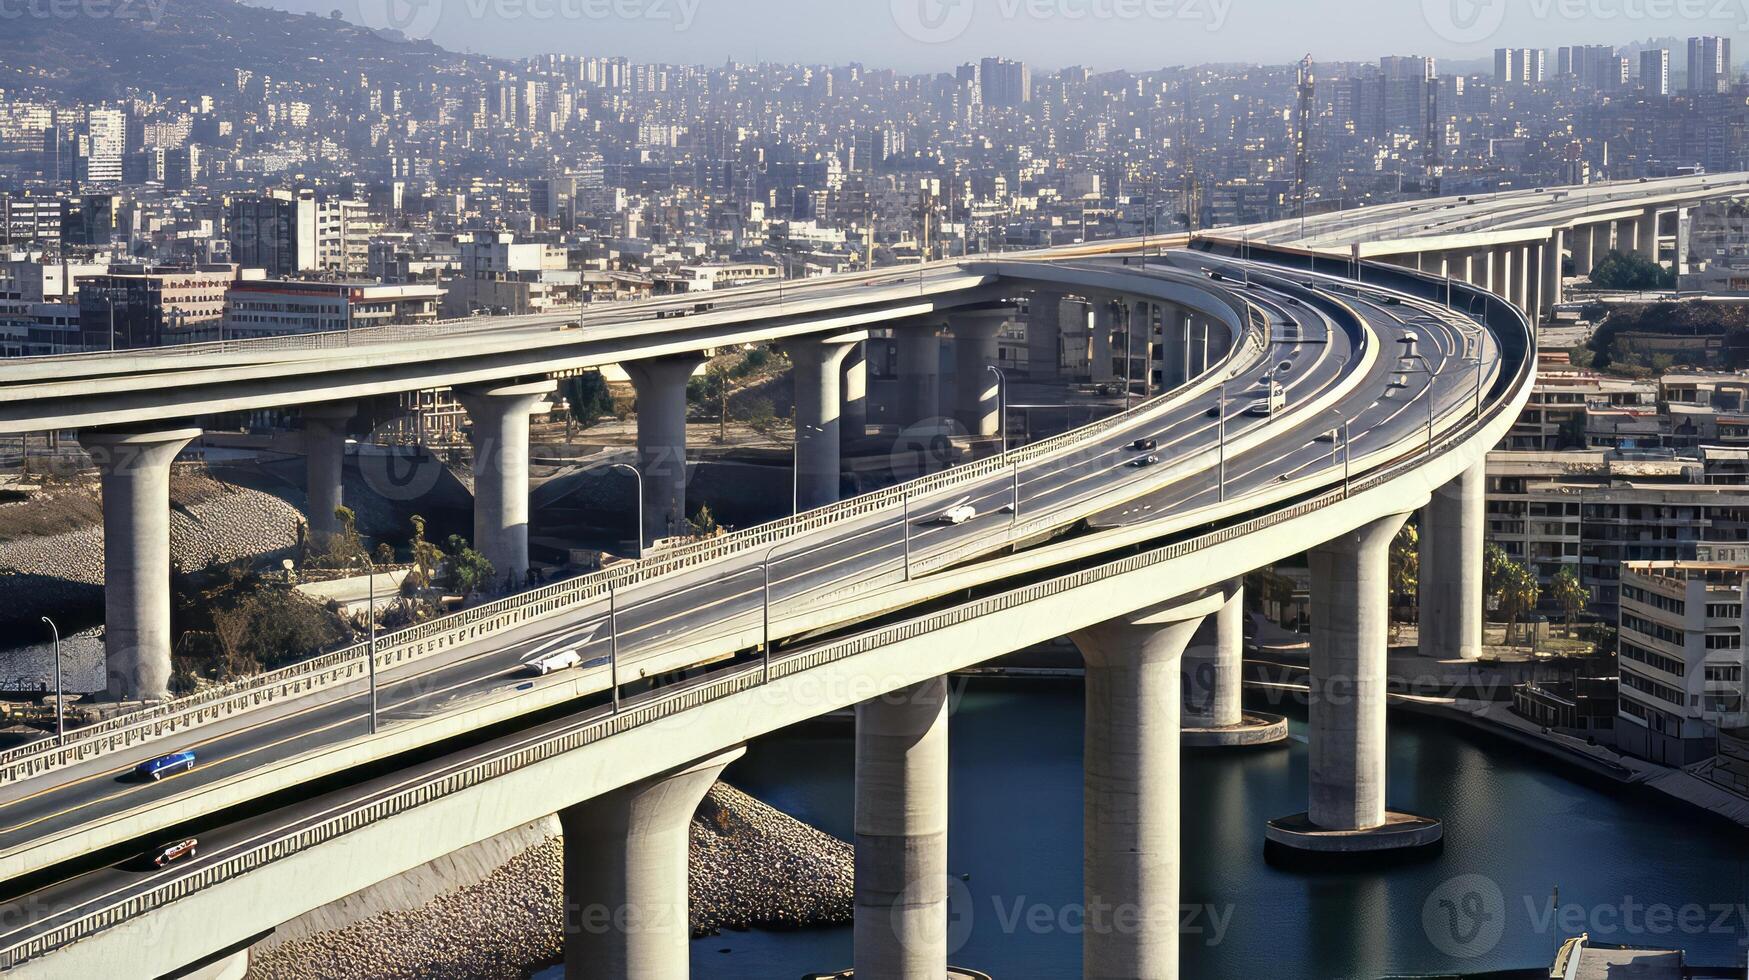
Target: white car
{"x":958,"y":514}
{"x":553,"y":662}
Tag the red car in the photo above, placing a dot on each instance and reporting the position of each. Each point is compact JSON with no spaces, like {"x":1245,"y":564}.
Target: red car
{"x":175,"y":852}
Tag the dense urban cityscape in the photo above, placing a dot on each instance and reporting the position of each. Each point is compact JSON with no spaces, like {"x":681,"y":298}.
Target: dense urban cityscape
{"x":424,"y":473}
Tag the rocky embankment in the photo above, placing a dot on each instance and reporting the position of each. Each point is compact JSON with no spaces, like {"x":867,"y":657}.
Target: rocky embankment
{"x":752,"y":867}
{"x":51,"y":546}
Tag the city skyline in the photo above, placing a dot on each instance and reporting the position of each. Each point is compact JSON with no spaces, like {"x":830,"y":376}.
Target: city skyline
{"x":920,"y":36}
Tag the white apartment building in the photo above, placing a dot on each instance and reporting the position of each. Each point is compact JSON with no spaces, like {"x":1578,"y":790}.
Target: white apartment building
{"x":1681,"y":658}
{"x":270,"y":307}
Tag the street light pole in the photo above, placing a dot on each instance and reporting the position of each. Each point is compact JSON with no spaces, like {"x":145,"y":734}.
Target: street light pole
{"x":1001,"y":403}
{"x":370,"y":578}
{"x":640,"y":478}
{"x":60,"y":703}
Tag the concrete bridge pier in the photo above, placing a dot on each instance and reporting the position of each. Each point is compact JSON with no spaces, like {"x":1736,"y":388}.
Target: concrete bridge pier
{"x":134,"y":470}
{"x":1450,"y":593}
{"x":324,"y":465}
{"x":977,"y":348}
{"x":853,"y":420}
{"x":1647,"y":240}
{"x":900,"y":927}
{"x":1626,"y":236}
{"x":1197,"y":356}
{"x":1104,"y":325}
{"x":661,"y":386}
{"x":625,"y":870}
{"x":1500,"y":273}
{"x":1582,"y":237}
{"x":1141,"y":337}
{"x":1522,"y":271}
{"x":1346,"y":707}
{"x":818,"y":376}
{"x":919,"y":373}
{"x":1175,"y":362}
{"x":1044,"y":336}
{"x":499,"y":433}
{"x":1130,"y":799}
{"x":1553,"y":284}
{"x":1214,"y":678}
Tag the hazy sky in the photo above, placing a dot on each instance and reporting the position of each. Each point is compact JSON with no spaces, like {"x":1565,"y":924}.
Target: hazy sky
{"x":931,"y":35}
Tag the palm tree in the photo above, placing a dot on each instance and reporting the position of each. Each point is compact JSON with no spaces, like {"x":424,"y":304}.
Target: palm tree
{"x":1519,"y":593}
{"x":1572,"y":595}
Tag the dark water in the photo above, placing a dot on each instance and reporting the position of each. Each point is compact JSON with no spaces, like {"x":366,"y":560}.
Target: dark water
{"x":1630,"y":867}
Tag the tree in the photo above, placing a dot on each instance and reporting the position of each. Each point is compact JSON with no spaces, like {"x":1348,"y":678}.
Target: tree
{"x":1519,"y":594}
{"x":1494,"y":562}
{"x":1633,"y":273}
{"x":1405,"y":566}
{"x":426,"y":556}
{"x":1572,"y":596}
{"x":589,"y":398}
{"x":469,"y":571}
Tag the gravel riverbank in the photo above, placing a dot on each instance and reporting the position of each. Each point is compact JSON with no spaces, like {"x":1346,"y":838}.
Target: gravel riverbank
{"x":752,"y":867}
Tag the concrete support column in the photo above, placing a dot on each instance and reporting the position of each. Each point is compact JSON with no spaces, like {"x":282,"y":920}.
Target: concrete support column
{"x":1554,"y":252}
{"x":1214,"y":677}
{"x":1482,"y":269}
{"x":854,"y":416}
{"x":1199,"y":346}
{"x":1626,"y":236}
{"x":977,"y":348}
{"x":134,"y":469}
{"x":1583,"y":239}
{"x":1346,"y":707}
{"x":1523,"y":274}
{"x":499,"y":433}
{"x":661,"y":387}
{"x":625,"y":876}
{"x":1141,"y":346}
{"x":818,"y":365}
{"x":1177,"y":330}
{"x":919,"y":373}
{"x":1500,"y":277}
{"x":1104,"y":324}
{"x":900,"y":928}
{"x":1044,"y":336}
{"x":1214,"y":665}
{"x":1600,"y":243}
{"x":1648,"y":235}
{"x":1452,"y":527}
{"x":324,"y":466}
{"x":1350,"y":627}
{"x":1130,"y":797}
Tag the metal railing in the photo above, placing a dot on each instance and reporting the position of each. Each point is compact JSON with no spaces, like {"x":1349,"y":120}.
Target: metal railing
{"x":445,"y":632}
{"x":725,"y":683}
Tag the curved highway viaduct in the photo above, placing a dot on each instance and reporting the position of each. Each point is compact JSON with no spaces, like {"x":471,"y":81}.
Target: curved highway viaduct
{"x":1395,"y":386}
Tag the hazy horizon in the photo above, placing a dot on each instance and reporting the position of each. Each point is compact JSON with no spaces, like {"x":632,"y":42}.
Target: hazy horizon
{"x":935,"y":35}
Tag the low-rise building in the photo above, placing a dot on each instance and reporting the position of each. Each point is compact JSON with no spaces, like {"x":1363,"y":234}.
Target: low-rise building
{"x":1681,"y":655}
{"x":270,"y":307}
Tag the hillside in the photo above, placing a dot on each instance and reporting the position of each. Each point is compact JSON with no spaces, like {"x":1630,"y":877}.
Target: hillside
{"x":192,"y":47}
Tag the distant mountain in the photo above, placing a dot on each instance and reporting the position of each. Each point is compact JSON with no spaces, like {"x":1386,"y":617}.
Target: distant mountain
{"x":190,"y":47}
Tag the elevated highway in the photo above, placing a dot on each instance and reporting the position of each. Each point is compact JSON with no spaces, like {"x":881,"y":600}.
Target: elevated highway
{"x":1393,"y":384}
{"x":768,"y":608}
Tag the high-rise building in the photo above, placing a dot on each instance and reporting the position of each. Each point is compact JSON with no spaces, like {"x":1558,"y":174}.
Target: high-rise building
{"x":1709,"y":64}
{"x":276,"y":231}
{"x":1521,"y":65}
{"x":1655,"y":71}
{"x":1005,"y":83}
{"x":102,"y":146}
